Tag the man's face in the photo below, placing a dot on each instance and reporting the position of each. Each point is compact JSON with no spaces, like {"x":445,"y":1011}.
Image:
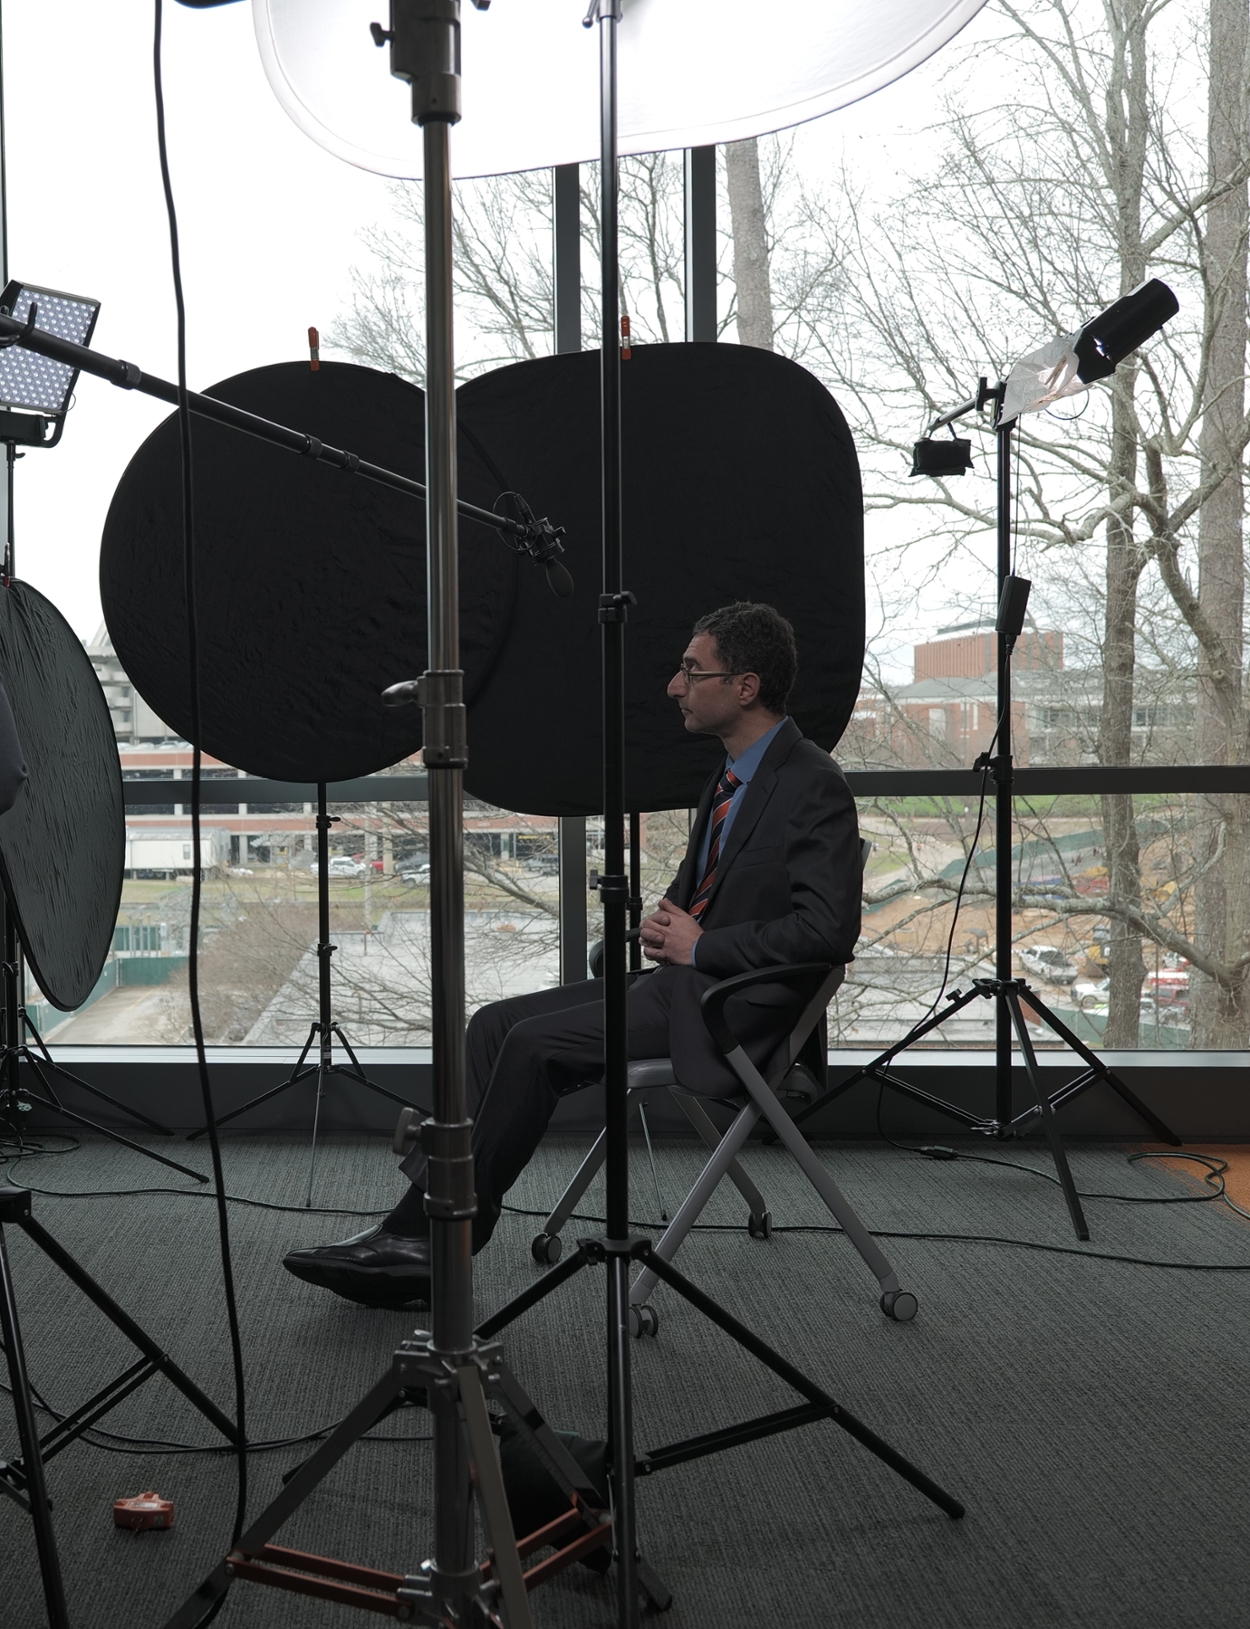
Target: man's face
{"x":709,"y":706}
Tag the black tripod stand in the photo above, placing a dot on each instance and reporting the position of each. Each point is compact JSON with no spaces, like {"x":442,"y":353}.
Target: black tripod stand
{"x":18,"y":1092}
{"x":618,"y":1249}
{"x":1010,"y":995}
{"x":324,"y":1030}
{"x":22,"y":1477}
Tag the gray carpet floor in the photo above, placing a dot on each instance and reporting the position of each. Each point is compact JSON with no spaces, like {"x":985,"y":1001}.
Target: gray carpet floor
{"x":1091,"y":1414}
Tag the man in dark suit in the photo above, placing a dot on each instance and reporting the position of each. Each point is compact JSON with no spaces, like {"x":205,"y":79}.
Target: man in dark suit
{"x":771,"y":874}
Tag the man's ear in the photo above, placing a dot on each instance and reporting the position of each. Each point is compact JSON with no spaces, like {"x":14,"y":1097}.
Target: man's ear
{"x":749,"y":689}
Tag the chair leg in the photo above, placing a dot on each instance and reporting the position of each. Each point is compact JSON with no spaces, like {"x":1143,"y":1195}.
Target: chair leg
{"x":582,"y":1178}
{"x":667,"y":1246}
{"x":703,"y":1123}
{"x":655,"y":1175}
{"x":815,"y":1172}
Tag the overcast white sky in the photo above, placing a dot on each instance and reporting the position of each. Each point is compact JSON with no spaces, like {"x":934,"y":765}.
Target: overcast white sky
{"x":270,"y":228}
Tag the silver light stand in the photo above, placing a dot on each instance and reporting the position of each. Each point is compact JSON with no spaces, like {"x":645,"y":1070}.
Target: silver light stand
{"x":425,"y":50}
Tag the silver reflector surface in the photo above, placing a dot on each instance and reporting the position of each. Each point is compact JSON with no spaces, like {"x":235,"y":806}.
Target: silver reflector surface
{"x":691,"y":74}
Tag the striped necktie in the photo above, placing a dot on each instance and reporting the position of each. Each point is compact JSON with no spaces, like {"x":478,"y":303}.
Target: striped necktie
{"x":729,"y":784}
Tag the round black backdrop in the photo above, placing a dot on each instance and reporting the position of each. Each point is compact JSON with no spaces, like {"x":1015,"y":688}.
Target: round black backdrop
{"x":310,"y":583}
{"x":740,"y":482}
{"x":63,"y":843}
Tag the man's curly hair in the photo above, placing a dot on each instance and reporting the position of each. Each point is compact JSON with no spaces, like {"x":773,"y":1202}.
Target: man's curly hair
{"x":754,"y":638}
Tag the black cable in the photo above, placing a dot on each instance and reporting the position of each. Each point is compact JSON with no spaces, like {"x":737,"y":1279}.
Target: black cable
{"x":185,"y":1193}
{"x":1214,"y":1164}
{"x":1215,"y":1167}
{"x":197,"y":1026}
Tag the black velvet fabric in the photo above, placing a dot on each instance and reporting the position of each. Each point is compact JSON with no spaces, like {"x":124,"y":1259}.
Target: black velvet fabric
{"x":310,"y":583}
{"x":740,"y":481}
{"x":63,"y":840}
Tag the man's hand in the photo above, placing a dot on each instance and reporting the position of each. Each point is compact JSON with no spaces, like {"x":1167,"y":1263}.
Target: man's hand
{"x":669,"y":935}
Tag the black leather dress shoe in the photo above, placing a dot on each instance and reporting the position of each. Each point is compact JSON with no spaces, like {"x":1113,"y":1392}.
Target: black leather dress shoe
{"x":375,"y":1268}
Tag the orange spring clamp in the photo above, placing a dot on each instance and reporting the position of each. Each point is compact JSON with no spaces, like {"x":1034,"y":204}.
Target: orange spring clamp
{"x":144,"y":1512}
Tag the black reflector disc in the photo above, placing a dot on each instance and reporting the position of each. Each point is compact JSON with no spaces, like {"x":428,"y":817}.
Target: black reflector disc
{"x":310,"y":585}
{"x":63,"y":843}
{"x":740,"y":481}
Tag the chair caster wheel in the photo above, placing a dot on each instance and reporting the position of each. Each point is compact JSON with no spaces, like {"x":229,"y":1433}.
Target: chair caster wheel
{"x":901,"y":1305}
{"x":643,"y":1321}
{"x":546,"y":1249}
{"x":761,"y":1227}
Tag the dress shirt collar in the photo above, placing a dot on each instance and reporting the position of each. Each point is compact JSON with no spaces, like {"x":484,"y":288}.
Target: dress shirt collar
{"x":745,"y":765}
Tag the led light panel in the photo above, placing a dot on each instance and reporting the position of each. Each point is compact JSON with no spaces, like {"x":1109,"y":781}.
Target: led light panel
{"x":36,"y":382}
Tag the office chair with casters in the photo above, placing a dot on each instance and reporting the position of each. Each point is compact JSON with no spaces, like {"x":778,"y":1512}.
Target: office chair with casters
{"x":761,"y":1095}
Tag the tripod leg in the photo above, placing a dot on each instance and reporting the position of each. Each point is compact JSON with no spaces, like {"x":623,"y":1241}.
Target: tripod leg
{"x":53,"y":1102}
{"x":1057,"y":1153}
{"x":1100,"y":1071}
{"x":488,"y":1485}
{"x":26,"y":1056}
{"x":32,"y":1462}
{"x":134,"y":1333}
{"x":805,"y":1387}
{"x":300,"y":1072}
{"x":374,"y":1406}
{"x":312,"y":1152}
{"x":876,"y":1070}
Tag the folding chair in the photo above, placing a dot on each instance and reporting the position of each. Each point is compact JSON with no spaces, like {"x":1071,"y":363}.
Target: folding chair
{"x":788,"y":1073}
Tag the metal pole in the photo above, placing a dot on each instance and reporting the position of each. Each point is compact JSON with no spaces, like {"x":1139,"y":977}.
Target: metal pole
{"x":701,"y":243}
{"x":566,"y":242}
{"x":614,"y":886}
{"x":1003,"y":812}
{"x":325,"y":950}
{"x":450,"y":1197}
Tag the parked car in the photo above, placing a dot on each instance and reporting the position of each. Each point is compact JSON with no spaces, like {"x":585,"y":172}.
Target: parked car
{"x":342,"y":865}
{"x":415,"y":875}
{"x":1049,"y":963}
{"x":1092,"y":995}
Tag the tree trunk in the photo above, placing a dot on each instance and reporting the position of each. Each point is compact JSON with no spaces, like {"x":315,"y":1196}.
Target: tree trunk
{"x":1221,"y":1012}
{"x":750,"y":235}
{"x":1127,"y":130}
{"x":1124,"y":963}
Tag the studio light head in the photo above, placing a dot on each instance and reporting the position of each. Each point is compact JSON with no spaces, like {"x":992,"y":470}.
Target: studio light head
{"x":939,"y":459}
{"x":36,"y":385}
{"x":1070,"y":364}
{"x":1104,"y":343}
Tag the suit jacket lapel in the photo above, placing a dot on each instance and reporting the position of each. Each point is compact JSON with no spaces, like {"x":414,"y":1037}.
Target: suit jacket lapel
{"x":753,"y":802}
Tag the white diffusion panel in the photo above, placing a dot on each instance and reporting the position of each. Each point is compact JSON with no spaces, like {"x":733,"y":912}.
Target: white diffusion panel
{"x":692,"y":73}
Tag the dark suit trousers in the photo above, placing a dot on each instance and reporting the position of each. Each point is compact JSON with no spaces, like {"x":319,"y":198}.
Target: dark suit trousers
{"x":522,"y":1056}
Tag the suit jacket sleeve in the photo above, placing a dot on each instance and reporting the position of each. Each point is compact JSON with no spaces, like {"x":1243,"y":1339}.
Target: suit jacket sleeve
{"x":815,"y":871}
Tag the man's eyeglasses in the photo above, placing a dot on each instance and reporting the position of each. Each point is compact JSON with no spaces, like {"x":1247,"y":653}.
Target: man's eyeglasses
{"x":692,"y":674}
